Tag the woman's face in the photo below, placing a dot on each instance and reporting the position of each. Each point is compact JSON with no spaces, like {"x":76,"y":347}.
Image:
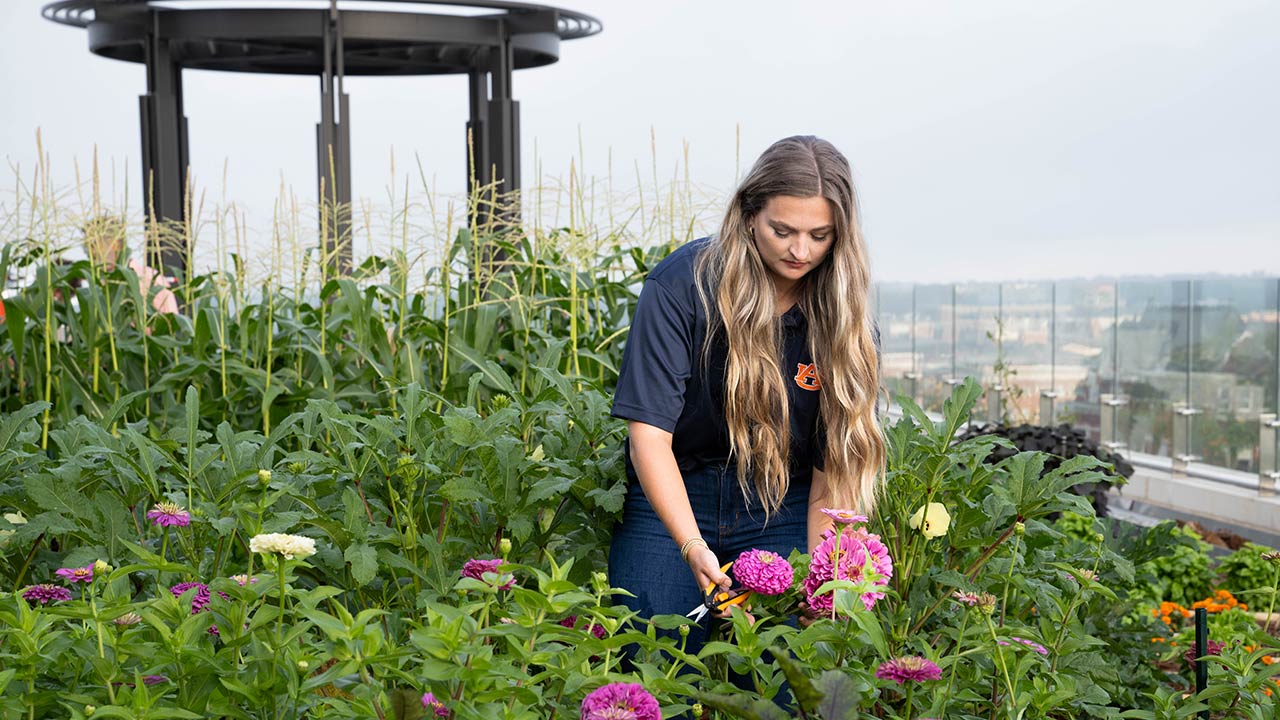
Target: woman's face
{"x":793,"y":236}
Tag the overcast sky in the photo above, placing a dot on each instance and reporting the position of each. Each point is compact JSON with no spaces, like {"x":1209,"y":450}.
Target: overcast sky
{"x":990,"y":140}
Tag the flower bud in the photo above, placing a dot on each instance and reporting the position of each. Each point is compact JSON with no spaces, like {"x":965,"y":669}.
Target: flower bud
{"x":504,"y":547}
{"x":599,"y":581}
{"x":986,"y":604}
{"x":404,"y":461}
{"x":264,"y":476}
{"x":89,"y":710}
{"x":1019,"y":528}
{"x":303,"y":665}
{"x":296,"y":468}
{"x":1097,"y":537}
{"x":101,"y":567}
{"x":697,"y":711}
{"x":684,"y":631}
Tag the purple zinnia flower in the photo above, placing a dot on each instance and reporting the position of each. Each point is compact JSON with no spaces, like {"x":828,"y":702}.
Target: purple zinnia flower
{"x":199,"y":600}
{"x":430,"y":702}
{"x":45,"y":593}
{"x":763,"y":572}
{"x":909,"y":668}
{"x":620,"y":701}
{"x":165,"y":514}
{"x":477,"y":568}
{"x":844,"y":517}
{"x":595,"y":629}
{"x":857,"y":548}
{"x":75,"y":575}
{"x":1213,"y":648}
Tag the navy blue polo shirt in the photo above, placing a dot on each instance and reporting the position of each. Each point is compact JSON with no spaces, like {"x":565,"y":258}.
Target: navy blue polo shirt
{"x":662,"y":381}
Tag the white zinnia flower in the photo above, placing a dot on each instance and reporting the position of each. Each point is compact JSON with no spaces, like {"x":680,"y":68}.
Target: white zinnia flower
{"x":288,"y":546}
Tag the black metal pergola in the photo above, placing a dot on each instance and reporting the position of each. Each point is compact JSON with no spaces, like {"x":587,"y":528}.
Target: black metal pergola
{"x":307,"y":38}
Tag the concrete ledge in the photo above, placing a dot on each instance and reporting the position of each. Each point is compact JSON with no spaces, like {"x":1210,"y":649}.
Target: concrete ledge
{"x":1211,"y":503}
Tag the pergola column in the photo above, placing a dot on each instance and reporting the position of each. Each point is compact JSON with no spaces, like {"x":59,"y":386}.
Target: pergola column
{"x":333,"y":151}
{"x":495,"y":129}
{"x":164,"y":149}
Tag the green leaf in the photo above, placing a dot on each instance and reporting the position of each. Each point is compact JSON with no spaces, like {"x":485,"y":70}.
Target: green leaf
{"x":840,"y":697}
{"x":806,"y":695}
{"x":364,"y":562}
{"x":59,"y":495}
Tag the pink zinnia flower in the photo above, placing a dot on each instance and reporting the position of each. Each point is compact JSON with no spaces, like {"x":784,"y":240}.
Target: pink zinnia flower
{"x":595,"y":629}
{"x":857,"y":548}
{"x":966,"y":598}
{"x":429,"y":702}
{"x":620,"y":701}
{"x":1029,"y":643}
{"x":45,"y":593}
{"x":909,"y":668}
{"x":199,"y":600}
{"x":844,"y":517}
{"x":763,"y":572}
{"x":165,"y":514}
{"x":243,"y":580}
{"x":75,"y":575}
{"x":477,"y":568}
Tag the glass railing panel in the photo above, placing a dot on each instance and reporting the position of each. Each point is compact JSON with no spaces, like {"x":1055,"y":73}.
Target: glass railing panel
{"x":977,"y":307}
{"x":1026,"y":335}
{"x":893,"y":312}
{"x":1150,"y":343}
{"x":1233,"y":368}
{"x":934,"y":335}
{"x":1083,"y":352}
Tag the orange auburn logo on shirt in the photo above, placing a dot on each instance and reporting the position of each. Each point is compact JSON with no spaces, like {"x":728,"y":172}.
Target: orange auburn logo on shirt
{"x":807,"y":376}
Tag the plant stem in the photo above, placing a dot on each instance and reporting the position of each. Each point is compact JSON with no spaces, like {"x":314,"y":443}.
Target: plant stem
{"x":281,"y":590}
{"x":1004,"y":669}
{"x":951,"y":677}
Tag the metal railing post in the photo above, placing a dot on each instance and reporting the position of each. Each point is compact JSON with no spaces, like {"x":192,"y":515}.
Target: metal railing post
{"x":1049,"y":407}
{"x":1268,"y":447}
{"x":1183,"y":414}
{"x":1109,"y":421}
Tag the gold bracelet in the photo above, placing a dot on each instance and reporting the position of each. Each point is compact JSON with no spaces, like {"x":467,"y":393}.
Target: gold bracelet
{"x":688,"y":545}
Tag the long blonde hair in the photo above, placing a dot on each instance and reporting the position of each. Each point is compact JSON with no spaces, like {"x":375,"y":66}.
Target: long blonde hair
{"x":737,"y":294}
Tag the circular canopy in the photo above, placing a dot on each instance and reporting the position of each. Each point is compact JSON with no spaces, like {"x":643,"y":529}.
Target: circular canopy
{"x":282,"y":37}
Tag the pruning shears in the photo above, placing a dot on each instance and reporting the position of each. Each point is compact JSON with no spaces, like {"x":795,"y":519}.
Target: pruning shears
{"x":717,"y":600}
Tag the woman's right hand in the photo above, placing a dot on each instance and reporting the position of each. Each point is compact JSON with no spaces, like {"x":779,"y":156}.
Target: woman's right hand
{"x":706,"y":569}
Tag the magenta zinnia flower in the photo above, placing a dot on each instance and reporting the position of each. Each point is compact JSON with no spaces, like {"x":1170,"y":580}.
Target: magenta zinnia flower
{"x":763,"y":572}
{"x":165,"y":514}
{"x":620,"y":701}
{"x":1029,"y":643}
{"x":857,"y":549}
{"x":844,"y":517}
{"x":429,"y":702}
{"x":75,"y":575}
{"x":909,"y":668}
{"x":199,"y":600}
{"x":476,"y":569}
{"x":1213,"y":648}
{"x":595,"y":629}
{"x":45,"y":593}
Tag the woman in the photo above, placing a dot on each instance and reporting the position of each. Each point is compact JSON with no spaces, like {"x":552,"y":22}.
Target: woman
{"x":742,"y":428}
